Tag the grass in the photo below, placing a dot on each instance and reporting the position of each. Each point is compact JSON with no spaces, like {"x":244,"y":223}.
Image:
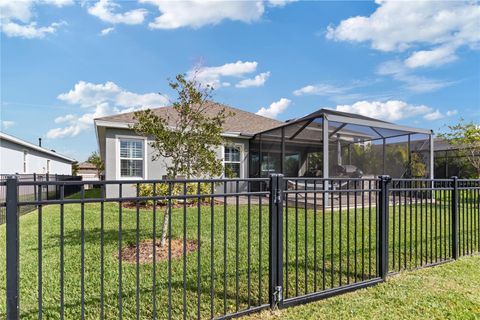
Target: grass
{"x":449,"y":291}
{"x":252,"y":246}
{"x":89,"y":193}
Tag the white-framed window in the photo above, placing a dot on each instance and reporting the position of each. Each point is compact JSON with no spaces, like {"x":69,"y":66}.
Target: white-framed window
{"x":25,"y":161}
{"x":132,"y":157}
{"x":233,"y":161}
{"x":48,"y":165}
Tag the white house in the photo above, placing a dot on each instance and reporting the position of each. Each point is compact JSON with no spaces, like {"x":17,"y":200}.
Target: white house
{"x":22,"y":157}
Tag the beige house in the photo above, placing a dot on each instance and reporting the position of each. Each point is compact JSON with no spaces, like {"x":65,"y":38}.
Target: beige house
{"x":87,"y":171}
{"x":128,"y":156}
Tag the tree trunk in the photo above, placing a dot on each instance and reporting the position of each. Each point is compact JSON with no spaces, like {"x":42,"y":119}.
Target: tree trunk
{"x":166,"y":217}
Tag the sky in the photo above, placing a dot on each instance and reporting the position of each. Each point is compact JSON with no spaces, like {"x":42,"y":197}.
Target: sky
{"x":65,"y":62}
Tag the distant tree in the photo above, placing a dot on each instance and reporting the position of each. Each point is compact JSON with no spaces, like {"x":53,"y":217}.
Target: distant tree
{"x":417,"y":167}
{"x":465,"y":137}
{"x":74,"y":168}
{"x":187,"y":140}
{"x":97,"y":161}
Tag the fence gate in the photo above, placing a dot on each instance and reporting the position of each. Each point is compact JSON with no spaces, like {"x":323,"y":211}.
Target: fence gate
{"x":331,"y":237}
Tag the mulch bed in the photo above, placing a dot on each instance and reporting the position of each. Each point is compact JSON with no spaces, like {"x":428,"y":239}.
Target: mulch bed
{"x":133,"y":205}
{"x":129,"y":253}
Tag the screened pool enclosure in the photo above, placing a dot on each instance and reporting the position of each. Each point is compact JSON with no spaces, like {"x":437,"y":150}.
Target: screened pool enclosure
{"x":333,"y":144}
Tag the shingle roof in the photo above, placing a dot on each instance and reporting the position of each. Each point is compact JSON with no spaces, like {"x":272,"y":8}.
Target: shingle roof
{"x":86,"y":165}
{"x":241,"y":121}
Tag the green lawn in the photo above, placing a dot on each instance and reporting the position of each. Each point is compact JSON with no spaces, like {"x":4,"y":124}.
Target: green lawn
{"x":449,"y":291}
{"x":354,"y":263}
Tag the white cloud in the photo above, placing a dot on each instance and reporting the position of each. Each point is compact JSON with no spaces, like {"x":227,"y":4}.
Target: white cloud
{"x":6,"y":124}
{"x":66,"y":118}
{"x":58,"y":3}
{"x":76,"y":124}
{"x":88,"y":94}
{"x":341,"y":93}
{"x":452,"y":112}
{"x":212,"y":75}
{"x":435,"y":115}
{"x":258,"y":81}
{"x":434,"y":57}
{"x":443,"y":26}
{"x":106,"y":31}
{"x":105,"y":11}
{"x":100,"y":100}
{"x":323,"y":89}
{"x":280,"y":3}
{"x":414,"y":83}
{"x":199,"y":13}
{"x":392,"y":110}
{"x":29,"y":31}
{"x":16,"y":18}
{"x":275,"y":108}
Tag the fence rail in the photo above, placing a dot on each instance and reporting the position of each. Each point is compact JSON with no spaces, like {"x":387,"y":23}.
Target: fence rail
{"x":28,"y":191}
{"x":221,"y":248}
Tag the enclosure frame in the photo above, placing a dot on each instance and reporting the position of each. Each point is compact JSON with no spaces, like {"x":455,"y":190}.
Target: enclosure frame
{"x":327,"y":117}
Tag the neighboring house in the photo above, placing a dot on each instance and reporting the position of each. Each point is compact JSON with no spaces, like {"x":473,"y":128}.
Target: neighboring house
{"x":22,"y":157}
{"x":255,"y":145}
{"x":88,"y":172}
{"x":451,"y":161}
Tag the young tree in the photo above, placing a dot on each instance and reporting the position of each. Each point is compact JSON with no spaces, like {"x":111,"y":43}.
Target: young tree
{"x":187,"y":139}
{"x":96,"y":160}
{"x":465,"y":136}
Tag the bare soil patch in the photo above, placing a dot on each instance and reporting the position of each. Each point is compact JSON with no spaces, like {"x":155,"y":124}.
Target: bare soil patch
{"x":145,"y":249}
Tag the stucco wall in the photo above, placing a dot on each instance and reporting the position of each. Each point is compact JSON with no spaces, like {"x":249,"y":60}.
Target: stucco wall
{"x":11,"y":160}
{"x":154,"y":169}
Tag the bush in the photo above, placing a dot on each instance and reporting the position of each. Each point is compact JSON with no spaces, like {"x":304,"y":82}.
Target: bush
{"x":162,"y":189}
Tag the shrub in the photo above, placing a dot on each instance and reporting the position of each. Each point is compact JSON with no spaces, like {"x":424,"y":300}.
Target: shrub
{"x":162,"y":189}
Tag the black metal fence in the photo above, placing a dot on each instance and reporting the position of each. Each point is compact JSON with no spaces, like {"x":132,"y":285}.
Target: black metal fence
{"x":29,"y":192}
{"x":232,"y":246}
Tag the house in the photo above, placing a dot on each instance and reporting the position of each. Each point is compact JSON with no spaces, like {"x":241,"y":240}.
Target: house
{"x":450,"y":160}
{"x":257,"y":146}
{"x":128,"y":156}
{"x":88,"y":172}
{"x":21,"y":157}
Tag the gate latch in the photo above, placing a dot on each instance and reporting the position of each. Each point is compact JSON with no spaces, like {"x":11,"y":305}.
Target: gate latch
{"x":277,"y":295}
{"x":277,"y":196}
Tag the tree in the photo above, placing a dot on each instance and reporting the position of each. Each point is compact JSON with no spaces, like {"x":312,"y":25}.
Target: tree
{"x":97,"y":161}
{"x":189,"y":138}
{"x":74,"y":168}
{"x":465,"y":137}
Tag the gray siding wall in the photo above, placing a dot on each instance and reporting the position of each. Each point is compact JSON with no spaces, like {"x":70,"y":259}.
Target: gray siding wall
{"x":11,"y":160}
{"x":154,"y":169}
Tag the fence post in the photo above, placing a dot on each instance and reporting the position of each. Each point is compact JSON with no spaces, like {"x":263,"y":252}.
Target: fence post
{"x":35,"y":186}
{"x":57,"y":188}
{"x":276,"y":240}
{"x":12,"y":248}
{"x":382,"y":216}
{"x":455,"y":217}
